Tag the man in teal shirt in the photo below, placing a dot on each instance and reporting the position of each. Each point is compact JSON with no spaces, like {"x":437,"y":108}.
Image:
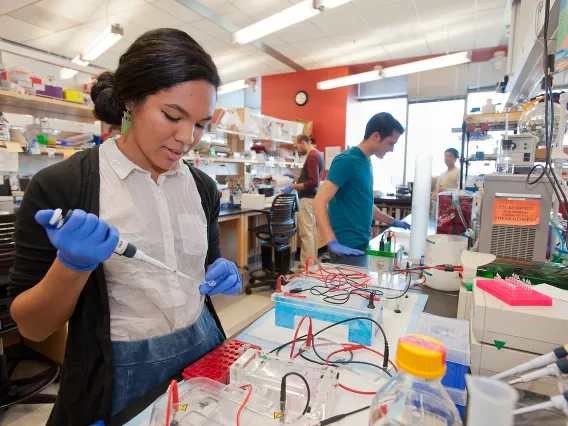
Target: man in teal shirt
{"x":344,"y":206}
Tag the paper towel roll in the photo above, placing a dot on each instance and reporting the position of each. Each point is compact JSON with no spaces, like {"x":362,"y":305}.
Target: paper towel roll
{"x":420,"y":206}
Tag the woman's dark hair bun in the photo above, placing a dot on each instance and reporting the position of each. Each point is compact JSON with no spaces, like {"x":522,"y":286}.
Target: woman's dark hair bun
{"x":107,"y":108}
{"x":157,"y":60}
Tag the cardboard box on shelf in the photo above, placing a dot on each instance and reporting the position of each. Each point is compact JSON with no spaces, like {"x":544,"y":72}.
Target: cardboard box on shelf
{"x":308,"y":127}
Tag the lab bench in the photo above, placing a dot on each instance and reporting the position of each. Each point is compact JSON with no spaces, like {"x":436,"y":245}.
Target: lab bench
{"x":435,"y":300}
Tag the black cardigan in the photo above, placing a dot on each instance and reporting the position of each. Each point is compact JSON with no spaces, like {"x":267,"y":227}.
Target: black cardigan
{"x":86,"y":381}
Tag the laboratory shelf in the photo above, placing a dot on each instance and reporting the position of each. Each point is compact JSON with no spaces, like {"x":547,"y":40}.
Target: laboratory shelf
{"x":39,"y":106}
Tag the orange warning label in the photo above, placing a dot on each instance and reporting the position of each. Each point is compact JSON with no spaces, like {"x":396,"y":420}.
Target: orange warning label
{"x":516,"y":212}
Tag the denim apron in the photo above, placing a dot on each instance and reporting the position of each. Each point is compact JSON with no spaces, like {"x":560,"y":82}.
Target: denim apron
{"x":141,"y":365}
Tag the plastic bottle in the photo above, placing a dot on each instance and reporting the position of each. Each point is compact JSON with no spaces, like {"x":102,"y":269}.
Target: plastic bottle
{"x":4,"y":128}
{"x":415,"y":395}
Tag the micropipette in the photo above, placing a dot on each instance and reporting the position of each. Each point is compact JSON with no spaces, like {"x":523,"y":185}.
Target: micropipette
{"x":559,"y":402}
{"x":123,"y":248}
{"x":541,"y":361}
{"x":555,"y":369}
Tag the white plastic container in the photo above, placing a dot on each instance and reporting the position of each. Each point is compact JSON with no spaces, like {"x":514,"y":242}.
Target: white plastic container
{"x":444,"y":250}
{"x":252,"y":201}
{"x":490,"y":402}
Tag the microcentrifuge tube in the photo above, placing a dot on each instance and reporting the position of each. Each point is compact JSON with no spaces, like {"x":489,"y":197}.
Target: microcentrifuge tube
{"x":211,"y":283}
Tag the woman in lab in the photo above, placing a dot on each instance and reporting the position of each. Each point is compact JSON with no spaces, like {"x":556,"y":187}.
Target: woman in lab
{"x":131,"y":325}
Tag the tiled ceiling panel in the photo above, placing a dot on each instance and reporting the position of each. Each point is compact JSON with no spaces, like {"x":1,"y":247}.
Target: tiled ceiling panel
{"x":407,"y":49}
{"x":43,"y":18}
{"x":178,"y":10}
{"x":434,"y":9}
{"x":340,"y":21}
{"x":150,"y":17}
{"x":304,"y":31}
{"x":9,"y":5}
{"x":19,"y":31}
{"x":81,"y":11}
{"x":68,"y":42}
{"x":359,"y":31}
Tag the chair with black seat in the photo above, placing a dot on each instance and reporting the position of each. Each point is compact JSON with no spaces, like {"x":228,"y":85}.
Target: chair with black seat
{"x":275,"y":235}
{"x":23,"y":389}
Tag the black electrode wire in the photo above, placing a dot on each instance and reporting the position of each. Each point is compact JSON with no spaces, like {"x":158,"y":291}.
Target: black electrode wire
{"x":283,"y":389}
{"x":408,"y":284}
{"x":339,"y":417}
{"x":549,"y":118}
{"x":301,"y":338}
{"x":349,"y":362}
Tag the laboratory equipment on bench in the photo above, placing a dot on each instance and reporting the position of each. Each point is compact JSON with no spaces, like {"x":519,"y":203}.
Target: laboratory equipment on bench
{"x":205,"y":402}
{"x":514,"y":217}
{"x":454,"y":213}
{"x":216,"y":365}
{"x":560,"y":352}
{"x":504,"y":336}
{"x":333,"y":303}
{"x":514,"y":292}
{"x":556,"y":369}
{"x":488,"y":360}
{"x":420,"y":206}
{"x":536,"y":329}
{"x":560,"y":402}
{"x":521,"y":149}
{"x":386,"y":255}
{"x":554,"y":274}
{"x":415,"y":395}
{"x":444,"y":249}
{"x":490,"y":402}
{"x":123,"y":248}
{"x":293,"y":387}
{"x":454,"y":335}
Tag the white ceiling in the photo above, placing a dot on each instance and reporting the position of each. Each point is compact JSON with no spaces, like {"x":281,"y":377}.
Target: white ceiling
{"x":357,"y":32}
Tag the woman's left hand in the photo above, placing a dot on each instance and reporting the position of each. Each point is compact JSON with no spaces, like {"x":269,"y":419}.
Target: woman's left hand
{"x":226,"y":276}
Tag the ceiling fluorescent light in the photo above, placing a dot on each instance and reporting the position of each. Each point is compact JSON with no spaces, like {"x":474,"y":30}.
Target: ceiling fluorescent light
{"x":102,"y":43}
{"x":349,"y":80}
{"x":297,"y":13}
{"x":233,"y":87}
{"x":328,"y":4}
{"x":67,"y":73}
{"x":427,"y":64}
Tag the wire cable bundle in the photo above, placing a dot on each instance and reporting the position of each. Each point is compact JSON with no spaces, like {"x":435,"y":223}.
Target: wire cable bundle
{"x":549,"y":118}
{"x":348,"y":347}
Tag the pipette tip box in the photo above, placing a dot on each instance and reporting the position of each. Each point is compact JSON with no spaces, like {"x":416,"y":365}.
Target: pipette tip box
{"x":289,"y":306}
{"x":454,"y":335}
{"x":514,"y":292}
{"x":216,"y":365}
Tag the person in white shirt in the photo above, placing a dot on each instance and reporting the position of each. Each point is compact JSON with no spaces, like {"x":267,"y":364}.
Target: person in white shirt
{"x":450,"y":179}
{"x":132,"y":326}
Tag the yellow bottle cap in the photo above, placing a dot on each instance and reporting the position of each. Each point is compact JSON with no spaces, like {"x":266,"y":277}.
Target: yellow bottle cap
{"x":421,"y":356}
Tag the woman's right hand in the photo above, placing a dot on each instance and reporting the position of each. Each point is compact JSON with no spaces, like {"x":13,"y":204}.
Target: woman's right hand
{"x":83,"y":241}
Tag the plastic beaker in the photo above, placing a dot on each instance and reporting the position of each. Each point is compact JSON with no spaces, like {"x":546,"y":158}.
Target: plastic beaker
{"x":490,"y":402}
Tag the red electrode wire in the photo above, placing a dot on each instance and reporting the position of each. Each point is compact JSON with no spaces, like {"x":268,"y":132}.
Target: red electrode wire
{"x":349,"y":348}
{"x":173,"y":398}
{"x":308,"y":338}
{"x":242,"y":407}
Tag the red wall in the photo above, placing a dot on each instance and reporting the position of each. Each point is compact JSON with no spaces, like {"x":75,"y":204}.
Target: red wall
{"x":326,"y":108}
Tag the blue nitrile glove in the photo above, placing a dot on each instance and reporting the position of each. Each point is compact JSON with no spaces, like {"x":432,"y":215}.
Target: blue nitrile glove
{"x":226,"y":276}
{"x":83,"y":241}
{"x":400,"y":224}
{"x":290,"y":175}
{"x":342,"y":250}
{"x":288,"y":190}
